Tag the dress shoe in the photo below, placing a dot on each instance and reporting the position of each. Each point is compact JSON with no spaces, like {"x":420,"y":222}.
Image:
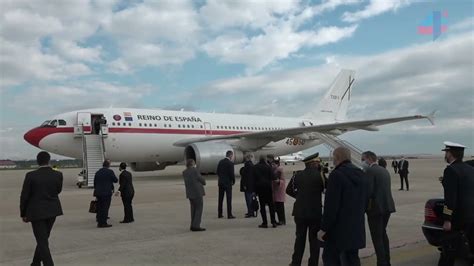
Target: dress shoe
{"x":104,"y":225}
{"x":199,"y":229}
{"x":400,"y":189}
{"x":126,"y":222}
{"x":248,"y":215}
{"x":278,"y":224}
{"x":263,"y":226}
{"x":274,"y":225}
{"x":231,"y":217}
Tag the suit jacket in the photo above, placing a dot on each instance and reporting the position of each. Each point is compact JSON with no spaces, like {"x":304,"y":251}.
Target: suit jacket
{"x":247,"y":178}
{"x":225,"y":172}
{"x":403,"y":167}
{"x":126,"y":186}
{"x":194,"y":183}
{"x":381,"y":200}
{"x":309,"y":185}
{"x":344,"y":207}
{"x":104,"y":182}
{"x":264,"y":177}
{"x":39,"y":196}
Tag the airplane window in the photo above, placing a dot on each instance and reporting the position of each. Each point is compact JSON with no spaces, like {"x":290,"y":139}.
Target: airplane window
{"x":130,"y":124}
{"x":140,"y":124}
{"x":193,"y":126}
{"x":113,"y":123}
{"x":45,"y":123}
{"x":62,"y":122}
{"x":201,"y":126}
{"x":179,"y":126}
{"x":118,"y":123}
{"x":189,"y":126}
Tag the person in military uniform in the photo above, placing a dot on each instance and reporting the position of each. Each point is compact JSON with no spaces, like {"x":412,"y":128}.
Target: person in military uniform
{"x":307,"y":209}
{"x":458,"y":211}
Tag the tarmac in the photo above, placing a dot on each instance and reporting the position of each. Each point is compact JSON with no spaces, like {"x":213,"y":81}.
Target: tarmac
{"x":160,"y":234}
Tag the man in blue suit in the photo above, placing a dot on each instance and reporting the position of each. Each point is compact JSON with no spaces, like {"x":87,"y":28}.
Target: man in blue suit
{"x":103,"y":189}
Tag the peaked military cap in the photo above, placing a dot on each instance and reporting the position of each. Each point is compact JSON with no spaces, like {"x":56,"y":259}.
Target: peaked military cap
{"x":312,"y":158}
{"x":449,"y":146}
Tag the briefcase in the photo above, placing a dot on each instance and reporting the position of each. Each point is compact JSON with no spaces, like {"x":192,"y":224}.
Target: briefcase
{"x":93,"y":206}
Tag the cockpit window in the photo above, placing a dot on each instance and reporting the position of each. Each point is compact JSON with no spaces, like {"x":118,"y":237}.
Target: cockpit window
{"x":54,"y":123}
{"x":45,"y":123}
{"x":62,"y":122}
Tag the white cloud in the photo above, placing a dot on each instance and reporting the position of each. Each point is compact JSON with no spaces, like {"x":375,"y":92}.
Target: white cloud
{"x":247,"y":13}
{"x":20,"y":63}
{"x":275,"y":44}
{"x":77,"y":96}
{"x":375,"y":8}
{"x":463,"y":25}
{"x":415,"y":79}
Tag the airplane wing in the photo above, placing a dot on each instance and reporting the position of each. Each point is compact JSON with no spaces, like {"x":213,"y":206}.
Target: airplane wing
{"x":309,"y":132}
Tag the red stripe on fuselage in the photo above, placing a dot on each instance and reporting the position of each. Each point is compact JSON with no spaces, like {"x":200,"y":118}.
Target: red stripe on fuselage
{"x":35,"y":135}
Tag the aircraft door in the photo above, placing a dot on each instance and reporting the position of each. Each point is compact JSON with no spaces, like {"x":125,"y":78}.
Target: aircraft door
{"x":207,"y":128}
{"x":84,"y":122}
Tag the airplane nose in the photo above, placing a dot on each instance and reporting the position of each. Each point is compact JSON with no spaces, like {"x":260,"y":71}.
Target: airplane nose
{"x":32,"y":137}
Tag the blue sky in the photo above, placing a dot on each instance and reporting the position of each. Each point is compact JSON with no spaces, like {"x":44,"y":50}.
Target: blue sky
{"x":255,"y":57}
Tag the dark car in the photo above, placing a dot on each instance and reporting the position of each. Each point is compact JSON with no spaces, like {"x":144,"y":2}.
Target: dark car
{"x":433,"y":225}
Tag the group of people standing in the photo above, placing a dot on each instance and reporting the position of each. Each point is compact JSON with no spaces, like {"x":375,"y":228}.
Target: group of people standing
{"x":264,"y":180}
{"x":350,"y":193}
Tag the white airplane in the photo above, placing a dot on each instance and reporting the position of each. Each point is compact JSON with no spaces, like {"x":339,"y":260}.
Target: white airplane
{"x":292,"y":158}
{"x":153,"y":139}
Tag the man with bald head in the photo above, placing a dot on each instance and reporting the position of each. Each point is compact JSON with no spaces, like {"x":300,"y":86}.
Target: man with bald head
{"x":343,"y":224}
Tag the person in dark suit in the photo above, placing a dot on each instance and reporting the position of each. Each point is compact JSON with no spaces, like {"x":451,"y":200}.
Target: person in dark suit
{"x":394,"y":165}
{"x":194,"y":184}
{"x":458,"y":211}
{"x":381,"y":206}
{"x":345,"y":203}
{"x":264,"y":179}
{"x":226,"y":175}
{"x":127,"y":192}
{"x":40,"y":205}
{"x":382,"y":162}
{"x":247,"y":184}
{"x":103,"y":189}
{"x":307,"y":209}
{"x":403,"y":172}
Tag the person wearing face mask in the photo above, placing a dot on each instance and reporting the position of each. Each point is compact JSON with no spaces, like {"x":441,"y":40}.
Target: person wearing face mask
{"x":458,"y":211}
{"x":194,"y":184}
{"x":381,"y":205}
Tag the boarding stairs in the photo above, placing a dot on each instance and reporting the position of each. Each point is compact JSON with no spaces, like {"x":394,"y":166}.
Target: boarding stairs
{"x":332,"y":142}
{"x":93,"y":156}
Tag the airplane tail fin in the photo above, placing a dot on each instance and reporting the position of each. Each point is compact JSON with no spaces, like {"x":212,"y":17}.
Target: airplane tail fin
{"x":333,"y":106}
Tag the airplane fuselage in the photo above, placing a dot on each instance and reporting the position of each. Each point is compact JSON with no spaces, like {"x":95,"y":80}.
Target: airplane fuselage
{"x":141,"y":135}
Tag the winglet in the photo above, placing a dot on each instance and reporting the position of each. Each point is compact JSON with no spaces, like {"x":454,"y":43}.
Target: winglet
{"x":431,"y":117}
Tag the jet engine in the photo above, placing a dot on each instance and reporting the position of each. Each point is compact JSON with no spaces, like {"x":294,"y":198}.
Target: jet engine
{"x":208,"y":154}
